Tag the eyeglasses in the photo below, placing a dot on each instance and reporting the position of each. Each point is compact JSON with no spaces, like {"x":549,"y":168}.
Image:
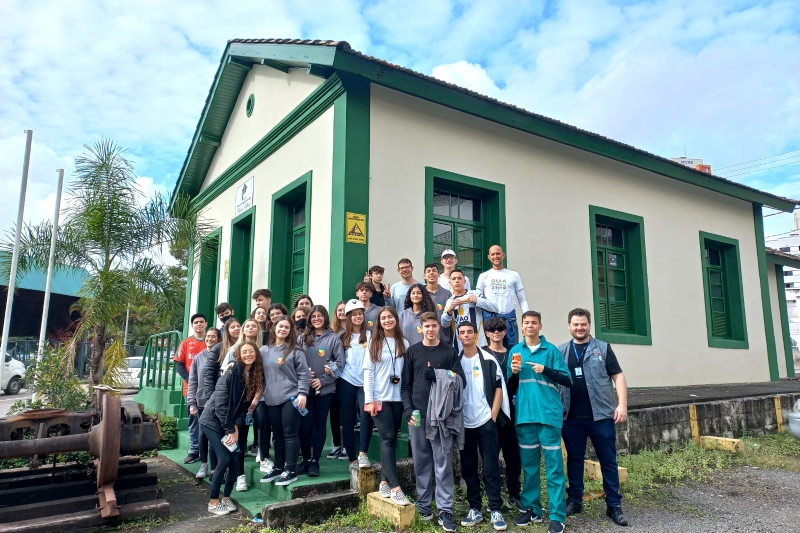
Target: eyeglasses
{"x":404,"y":268}
{"x":495,"y":330}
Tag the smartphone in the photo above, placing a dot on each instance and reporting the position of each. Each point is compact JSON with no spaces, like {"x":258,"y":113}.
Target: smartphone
{"x":378,"y":406}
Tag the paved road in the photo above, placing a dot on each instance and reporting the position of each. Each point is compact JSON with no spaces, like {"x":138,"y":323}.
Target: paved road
{"x":7,"y":401}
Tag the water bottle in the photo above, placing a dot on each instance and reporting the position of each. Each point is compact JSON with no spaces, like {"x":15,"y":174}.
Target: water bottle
{"x":248,"y":419}
{"x":303,"y":411}
{"x":334,"y":368}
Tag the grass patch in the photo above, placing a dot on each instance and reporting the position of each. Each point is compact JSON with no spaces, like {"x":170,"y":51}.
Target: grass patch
{"x":146,"y":524}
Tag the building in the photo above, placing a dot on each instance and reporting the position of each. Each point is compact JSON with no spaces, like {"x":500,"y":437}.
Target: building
{"x":317,"y":161}
{"x":790,"y":244}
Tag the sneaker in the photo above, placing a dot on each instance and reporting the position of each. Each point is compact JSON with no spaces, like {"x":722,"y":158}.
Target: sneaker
{"x":273,"y":474}
{"x":556,"y":527}
{"x":474,"y":517}
{"x":266,"y":465}
{"x":343,"y":455}
{"x":229,"y":505}
{"x":313,"y":469}
{"x":498,"y":522}
{"x":446,"y":521}
{"x":241,"y":484}
{"x":253,"y":449}
{"x":218,"y":509}
{"x":203,"y":472}
{"x":385,"y":491}
{"x":528,"y":517}
{"x":616,"y":515}
{"x":287,"y":478}
{"x":427,"y":516}
{"x":334,"y":453}
{"x":302,"y":468}
{"x":191,"y":458}
{"x":258,"y":456}
{"x":399,"y":498}
{"x":515,"y":503}
{"x":574,"y":507}
{"x":363,"y":461}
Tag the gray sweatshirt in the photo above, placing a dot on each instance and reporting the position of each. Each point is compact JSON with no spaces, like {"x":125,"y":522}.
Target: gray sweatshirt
{"x":445,"y":418}
{"x":409,"y":323}
{"x":440,"y":298}
{"x":197,"y":394}
{"x":327,"y":346}
{"x":285,"y":375}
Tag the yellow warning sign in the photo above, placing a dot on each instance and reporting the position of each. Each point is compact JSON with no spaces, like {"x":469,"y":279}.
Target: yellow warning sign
{"x":356,"y":228}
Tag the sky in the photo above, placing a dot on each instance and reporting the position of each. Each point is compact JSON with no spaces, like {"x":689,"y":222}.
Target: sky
{"x":717,"y":80}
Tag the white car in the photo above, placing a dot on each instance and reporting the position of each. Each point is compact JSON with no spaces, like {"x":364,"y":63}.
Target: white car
{"x":13,"y":375}
{"x":132,"y":372}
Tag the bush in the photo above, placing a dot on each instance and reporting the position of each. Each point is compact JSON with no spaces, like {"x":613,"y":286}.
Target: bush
{"x":54,"y":381}
{"x":169,"y":433}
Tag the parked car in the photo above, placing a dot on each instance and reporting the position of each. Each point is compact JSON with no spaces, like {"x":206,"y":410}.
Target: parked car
{"x":13,"y":375}
{"x":166,"y":372}
{"x":133,"y":371}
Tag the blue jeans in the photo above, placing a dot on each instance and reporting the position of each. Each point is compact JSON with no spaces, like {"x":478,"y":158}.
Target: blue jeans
{"x":194,"y":434}
{"x":604,"y":439}
{"x":512,"y":331}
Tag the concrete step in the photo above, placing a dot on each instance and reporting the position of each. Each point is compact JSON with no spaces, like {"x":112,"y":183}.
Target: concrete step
{"x":309,"y":510}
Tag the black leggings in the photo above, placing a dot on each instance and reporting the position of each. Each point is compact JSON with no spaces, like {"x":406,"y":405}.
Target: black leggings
{"x":313,"y":426}
{"x":285,"y":421}
{"x":206,"y":450}
{"x":260,"y":418}
{"x":336,"y":421}
{"x":351,"y":400}
{"x":388,"y":422}
{"x":226,"y":462}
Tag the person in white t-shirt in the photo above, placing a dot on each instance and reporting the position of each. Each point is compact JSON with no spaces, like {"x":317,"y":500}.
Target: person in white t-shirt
{"x":503,"y":287}
{"x":449,"y":262}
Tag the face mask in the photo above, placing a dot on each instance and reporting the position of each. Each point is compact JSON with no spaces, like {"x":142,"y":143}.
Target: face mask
{"x":301,"y":324}
{"x":226,"y":318}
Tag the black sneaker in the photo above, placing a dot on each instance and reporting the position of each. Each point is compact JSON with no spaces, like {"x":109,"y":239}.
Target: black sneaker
{"x":313,"y":468}
{"x":528,"y":517}
{"x":515,"y":503}
{"x":275,"y":473}
{"x":446,"y":521}
{"x":286,"y":478}
{"x":556,"y":527}
{"x":334,"y":454}
{"x":343,"y":455}
{"x":302,"y":468}
{"x":191,"y":458}
{"x":616,"y":515}
{"x":574,"y":507}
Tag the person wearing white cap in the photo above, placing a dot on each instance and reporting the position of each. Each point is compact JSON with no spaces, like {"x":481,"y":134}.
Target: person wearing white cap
{"x":350,"y":387}
{"x":449,"y":262}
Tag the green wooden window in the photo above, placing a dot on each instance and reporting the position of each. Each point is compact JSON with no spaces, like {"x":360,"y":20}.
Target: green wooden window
{"x":297,"y":260}
{"x":208,"y":280}
{"x":722,"y":285}
{"x":619,"y":275}
{"x":458,"y":225}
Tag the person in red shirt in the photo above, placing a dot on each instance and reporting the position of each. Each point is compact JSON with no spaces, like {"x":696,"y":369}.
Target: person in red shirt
{"x":187,"y":351}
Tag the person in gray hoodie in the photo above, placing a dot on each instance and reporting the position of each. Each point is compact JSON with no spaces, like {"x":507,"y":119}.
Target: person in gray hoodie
{"x":196,"y":396}
{"x":418,"y":301}
{"x":286,"y":376}
{"x":323,"y":348}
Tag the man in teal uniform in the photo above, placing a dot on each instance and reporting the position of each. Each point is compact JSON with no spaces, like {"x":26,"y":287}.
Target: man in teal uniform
{"x":537,"y":369}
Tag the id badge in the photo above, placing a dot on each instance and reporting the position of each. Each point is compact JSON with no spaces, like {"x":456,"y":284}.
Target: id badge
{"x":578,"y":372}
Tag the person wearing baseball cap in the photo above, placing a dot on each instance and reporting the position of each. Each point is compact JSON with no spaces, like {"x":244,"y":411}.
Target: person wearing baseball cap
{"x":350,"y":387}
{"x":449,"y":262}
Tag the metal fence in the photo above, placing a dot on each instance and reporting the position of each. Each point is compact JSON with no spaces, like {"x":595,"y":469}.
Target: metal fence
{"x":158,"y":369}
{"x":26,"y":350}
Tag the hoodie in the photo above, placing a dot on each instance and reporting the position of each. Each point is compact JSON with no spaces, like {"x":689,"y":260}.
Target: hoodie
{"x":326,"y":347}
{"x":285,"y":375}
{"x":409,"y":323}
{"x":197,"y":393}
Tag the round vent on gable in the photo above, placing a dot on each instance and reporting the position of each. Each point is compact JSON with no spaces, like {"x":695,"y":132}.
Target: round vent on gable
{"x":251,"y":103}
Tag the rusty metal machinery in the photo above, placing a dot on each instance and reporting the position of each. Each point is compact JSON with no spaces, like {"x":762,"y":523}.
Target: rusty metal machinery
{"x":116,"y":427}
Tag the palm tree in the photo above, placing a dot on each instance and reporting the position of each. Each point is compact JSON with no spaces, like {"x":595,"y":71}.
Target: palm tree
{"x":118,"y":235}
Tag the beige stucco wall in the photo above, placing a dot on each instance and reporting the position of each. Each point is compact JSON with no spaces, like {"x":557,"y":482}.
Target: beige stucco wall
{"x":776,"y":318}
{"x":311,"y":149}
{"x":276,"y":94}
{"x":548,"y":190}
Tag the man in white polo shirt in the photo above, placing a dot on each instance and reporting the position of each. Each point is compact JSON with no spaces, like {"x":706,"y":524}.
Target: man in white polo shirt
{"x":449,"y":262}
{"x":503,"y":287}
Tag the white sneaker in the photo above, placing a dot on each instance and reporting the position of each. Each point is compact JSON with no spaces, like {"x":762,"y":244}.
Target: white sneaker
{"x":363,"y":461}
{"x":229,"y":505}
{"x":203,"y":472}
{"x":384,"y":489}
{"x":241,"y":484}
{"x":258,"y":456}
{"x":399,"y":498}
{"x":218,"y":509}
{"x":266,"y":465}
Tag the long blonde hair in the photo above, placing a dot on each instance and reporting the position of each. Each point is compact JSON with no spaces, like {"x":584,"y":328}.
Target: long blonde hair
{"x":242,"y":338}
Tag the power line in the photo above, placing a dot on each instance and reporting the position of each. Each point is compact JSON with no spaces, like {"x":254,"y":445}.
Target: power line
{"x":767,"y":163}
{"x":761,"y":170}
{"x":759,"y":159}
{"x":773,"y":237}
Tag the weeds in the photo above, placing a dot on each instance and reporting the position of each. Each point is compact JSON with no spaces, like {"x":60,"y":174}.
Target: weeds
{"x":146,"y":524}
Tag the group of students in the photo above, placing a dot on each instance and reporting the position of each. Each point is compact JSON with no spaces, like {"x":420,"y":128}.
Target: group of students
{"x":439,"y":356}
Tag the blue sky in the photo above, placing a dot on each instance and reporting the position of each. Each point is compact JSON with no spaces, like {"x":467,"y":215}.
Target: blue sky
{"x":721,"y":77}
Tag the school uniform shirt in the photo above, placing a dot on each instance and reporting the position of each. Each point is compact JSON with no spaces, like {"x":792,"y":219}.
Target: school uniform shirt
{"x":187,"y":351}
{"x":377,"y":376}
{"x":353,"y":371}
{"x":440,"y":298}
{"x":467,"y":312}
{"x":399,"y":292}
{"x":409,"y":324}
{"x":444,"y":282}
{"x":477,"y":410}
{"x":503,"y":288}
{"x":371,"y":316}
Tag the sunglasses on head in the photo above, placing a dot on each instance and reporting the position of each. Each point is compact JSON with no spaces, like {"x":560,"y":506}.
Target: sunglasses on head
{"x":495,"y":330}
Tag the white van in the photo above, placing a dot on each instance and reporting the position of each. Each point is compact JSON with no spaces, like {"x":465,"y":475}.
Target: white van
{"x":13,"y":375}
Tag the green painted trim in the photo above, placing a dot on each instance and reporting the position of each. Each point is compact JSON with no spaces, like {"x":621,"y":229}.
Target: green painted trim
{"x":187,"y":306}
{"x":301,"y":116}
{"x":639,"y":288}
{"x":241,"y":302}
{"x":350,"y":187}
{"x":285,"y":53}
{"x":769,"y":329}
{"x":240,"y":63}
{"x":493,"y":194}
{"x":251,"y":105}
{"x":411,"y":83}
{"x":784,"y":311}
{"x":319,"y":72}
{"x":277,"y":65}
{"x":282,"y":201}
{"x":733,"y":274}
{"x":783,"y":261}
{"x":209,"y":274}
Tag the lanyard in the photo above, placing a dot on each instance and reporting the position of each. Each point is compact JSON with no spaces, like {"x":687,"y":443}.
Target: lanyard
{"x":394,"y":358}
{"x":579,"y":356}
